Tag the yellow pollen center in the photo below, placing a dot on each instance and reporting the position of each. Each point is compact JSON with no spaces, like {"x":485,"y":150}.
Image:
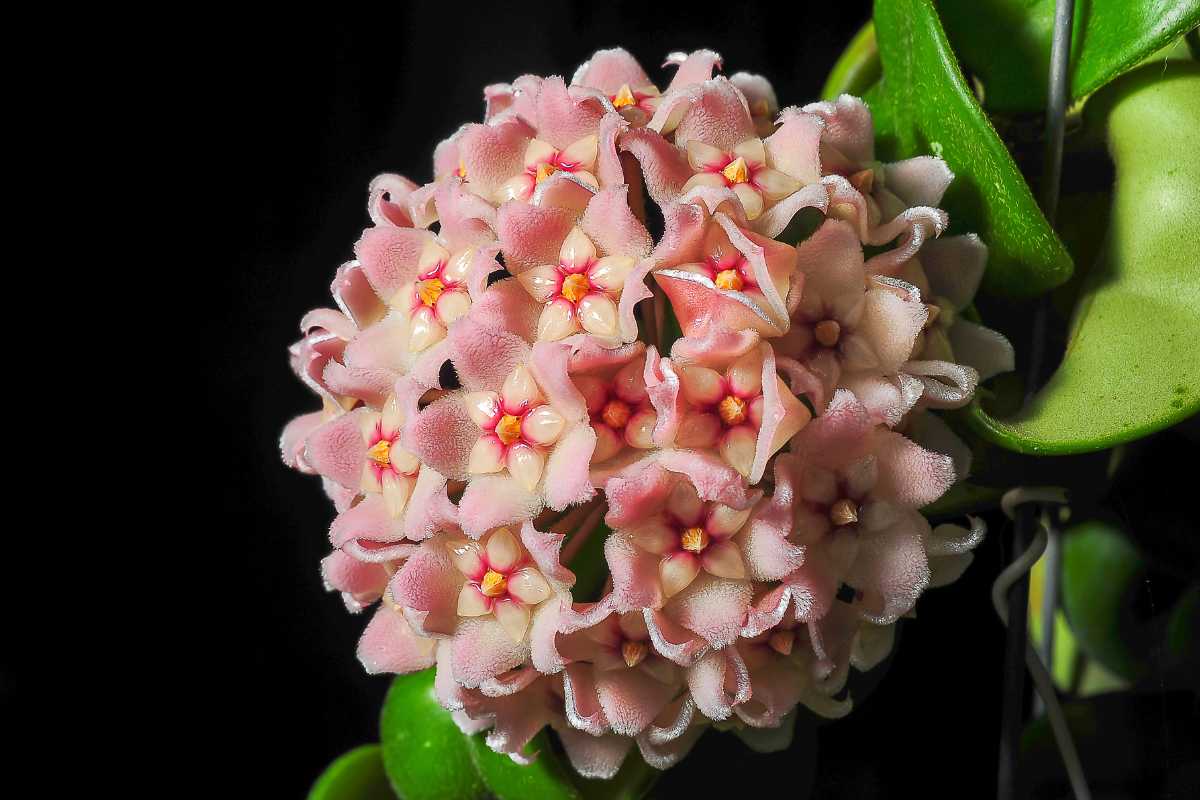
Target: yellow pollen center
{"x":827,"y":332}
{"x":729,"y":279}
{"x":430,"y":290}
{"x":736,"y":171}
{"x":381,"y":452}
{"x":843,"y":512}
{"x":732,"y":410}
{"x":508,"y":429}
{"x":545,"y":170}
{"x":615,"y":414}
{"x":574,"y":287}
{"x":624,"y":97}
{"x":493,"y":584}
{"x":633,"y":652}
{"x":694,"y":540}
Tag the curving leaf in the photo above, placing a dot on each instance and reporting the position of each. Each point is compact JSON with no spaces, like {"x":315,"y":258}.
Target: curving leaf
{"x":1006,"y":43}
{"x":547,"y":778}
{"x":1132,"y":364}
{"x":857,"y":68}
{"x":425,"y":754}
{"x":356,"y":775}
{"x":924,"y":106}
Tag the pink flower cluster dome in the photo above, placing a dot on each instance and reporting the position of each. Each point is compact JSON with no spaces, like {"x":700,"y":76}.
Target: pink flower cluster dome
{"x":496,"y":388}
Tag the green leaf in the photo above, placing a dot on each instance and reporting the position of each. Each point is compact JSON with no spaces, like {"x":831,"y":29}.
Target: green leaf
{"x":356,"y":775}
{"x":547,"y":778}
{"x":1006,"y":43}
{"x":1101,"y":573}
{"x":1132,"y":365}
{"x":924,"y":106}
{"x":857,"y":68}
{"x":425,"y":754}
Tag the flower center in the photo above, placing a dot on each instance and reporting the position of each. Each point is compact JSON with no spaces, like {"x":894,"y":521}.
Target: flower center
{"x":615,"y":414}
{"x":736,"y":171}
{"x":574,"y":287}
{"x":633,"y":652}
{"x":508,"y":429}
{"x":782,"y":641}
{"x":493,"y":584}
{"x":827,"y":332}
{"x":381,"y":452}
{"x":729,"y":279}
{"x":732,"y":410}
{"x":694,"y":540}
{"x":430,"y":290}
{"x":545,"y":170}
{"x":624,"y":97}
{"x":843,"y":512}
{"x":461,"y":171}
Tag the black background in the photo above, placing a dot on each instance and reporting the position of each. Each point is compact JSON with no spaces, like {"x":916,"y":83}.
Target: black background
{"x":306,"y":111}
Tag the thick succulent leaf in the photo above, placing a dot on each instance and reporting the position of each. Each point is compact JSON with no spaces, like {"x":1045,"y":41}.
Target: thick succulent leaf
{"x":923,"y":105}
{"x":425,"y":754}
{"x":1006,"y":43}
{"x":356,"y":775}
{"x":547,"y":778}
{"x":857,"y":68}
{"x":1132,"y":365}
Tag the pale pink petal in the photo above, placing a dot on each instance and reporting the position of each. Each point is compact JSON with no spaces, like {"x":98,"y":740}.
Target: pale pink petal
{"x":337,"y":450}
{"x":716,"y":114}
{"x":494,"y":500}
{"x":909,"y":474}
{"x":634,"y":573}
{"x":360,"y":583}
{"x":848,"y":127}
{"x":567,"y":477}
{"x":714,"y":608}
{"x":610,"y":223}
{"x":369,"y":532}
{"x":531,"y":235}
{"x":387,"y":200}
{"x":631,"y":699}
{"x":609,"y":70}
{"x":491,"y":154}
{"x":891,"y":569}
{"x":564,"y":118}
{"x":442,"y":435}
{"x":580,"y":704}
{"x":919,"y":181}
{"x":595,"y":757}
{"x":483,"y":649}
{"x":389,"y":644}
{"x":390,"y":255}
{"x":292,"y":440}
{"x":718,"y":682}
{"x":695,"y":67}
{"x":987,"y":351}
{"x":664,"y":166}
{"x":428,"y":586}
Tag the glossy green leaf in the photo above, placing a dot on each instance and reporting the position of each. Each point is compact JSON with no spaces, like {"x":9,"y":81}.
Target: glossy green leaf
{"x":1132,"y":364}
{"x":924,"y":106}
{"x":547,"y":778}
{"x":356,"y":775}
{"x":1102,"y":570}
{"x":1006,"y":43}
{"x":425,"y":754}
{"x":858,"y":67}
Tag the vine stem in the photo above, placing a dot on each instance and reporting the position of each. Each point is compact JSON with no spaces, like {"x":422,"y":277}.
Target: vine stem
{"x":1013,"y":709}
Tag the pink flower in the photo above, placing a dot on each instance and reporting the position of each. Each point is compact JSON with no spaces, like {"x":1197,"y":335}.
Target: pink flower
{"x":580,"y":292}
{"x":517,"y":426}
{"x":622,"y":80}
{"x":495,"y":388}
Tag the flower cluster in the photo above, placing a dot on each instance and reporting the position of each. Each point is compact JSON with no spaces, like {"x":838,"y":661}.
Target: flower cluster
{"x":499,"y":385}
